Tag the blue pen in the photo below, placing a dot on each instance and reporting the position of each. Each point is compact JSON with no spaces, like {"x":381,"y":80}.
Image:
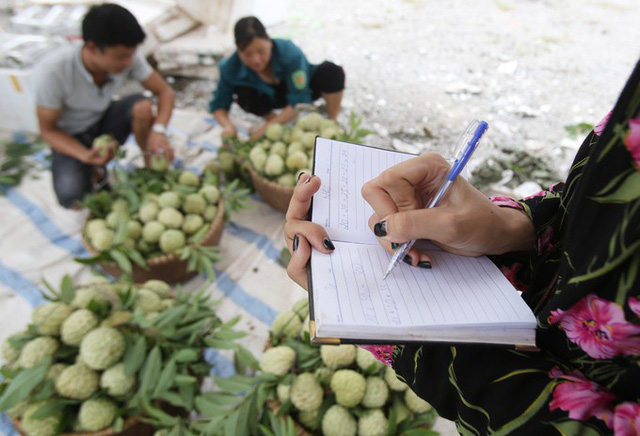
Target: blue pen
{"x":467,"y":144}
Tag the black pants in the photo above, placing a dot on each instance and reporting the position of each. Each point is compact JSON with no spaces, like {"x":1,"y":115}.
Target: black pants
{"x":327,"y":78}
{"x":72,"y":179}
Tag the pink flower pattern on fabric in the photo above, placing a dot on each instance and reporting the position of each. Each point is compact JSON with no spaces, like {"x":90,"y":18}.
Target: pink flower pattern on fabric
{"x":511,"y":274}
{"x":506,"y":201}
{"x":384,"y":353}
{"x":580,"y":397}
{"x":598,"y":327}
{"x":553,"y":187}
{"x":632,"y":141}
{"x":537,"y":194}
{"x":626,"y":419}
{"x":599,"y":128}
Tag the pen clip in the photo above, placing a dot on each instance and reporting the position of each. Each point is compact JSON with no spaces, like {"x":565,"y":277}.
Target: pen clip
{"x":471,"y":145}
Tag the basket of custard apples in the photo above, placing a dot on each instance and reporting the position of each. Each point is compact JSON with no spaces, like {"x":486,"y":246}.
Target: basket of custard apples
{"x":163,"y":224}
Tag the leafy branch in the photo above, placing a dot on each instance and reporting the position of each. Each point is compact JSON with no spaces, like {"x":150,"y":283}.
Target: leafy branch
{"x":235,"y":198}
{"x":14,"y":162}
{"x":354,"y":132}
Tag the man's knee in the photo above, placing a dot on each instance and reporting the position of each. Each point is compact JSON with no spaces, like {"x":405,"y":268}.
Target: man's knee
{"x":142,"y":110}
{"x":70,"y":189}
{"x":70,"y":198}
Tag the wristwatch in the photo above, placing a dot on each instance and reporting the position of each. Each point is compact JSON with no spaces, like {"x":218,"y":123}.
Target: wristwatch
{"x":159,"y":128}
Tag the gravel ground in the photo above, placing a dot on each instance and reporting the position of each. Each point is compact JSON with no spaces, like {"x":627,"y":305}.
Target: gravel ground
{"x":418,"y":71}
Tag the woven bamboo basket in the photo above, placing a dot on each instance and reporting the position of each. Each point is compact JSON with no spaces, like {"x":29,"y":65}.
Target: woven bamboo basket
{"x":277,"y":196}
{"x":132,"y":427}
{"x":168,"y":267}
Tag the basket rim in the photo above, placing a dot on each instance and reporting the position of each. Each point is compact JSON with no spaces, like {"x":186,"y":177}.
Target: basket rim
{"x":216,"y":223}
{"x":270,"y":183}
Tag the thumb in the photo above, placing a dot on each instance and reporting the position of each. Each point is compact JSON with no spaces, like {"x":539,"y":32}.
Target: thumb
{"x":434,"y":224}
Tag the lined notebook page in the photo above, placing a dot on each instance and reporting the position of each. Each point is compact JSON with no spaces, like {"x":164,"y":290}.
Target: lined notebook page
{"x":460,"y":291}
{"x":343,"y":168}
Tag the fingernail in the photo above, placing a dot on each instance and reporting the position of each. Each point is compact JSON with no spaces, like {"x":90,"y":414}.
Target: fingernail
{"x":424,"y":264}
{"x":407,"y":259}
{"x":300,"y":175}
{"x":312,"y":176}
{"x":296,"y":241}
{"x":328,"y":244}
{"x":380,"y":228}
{"x":394,"y":245}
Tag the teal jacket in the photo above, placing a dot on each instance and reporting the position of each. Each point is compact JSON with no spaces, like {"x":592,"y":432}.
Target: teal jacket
{"x":289,"y":65}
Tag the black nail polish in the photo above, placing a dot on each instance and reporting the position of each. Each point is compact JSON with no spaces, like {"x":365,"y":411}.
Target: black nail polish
{"x":394,"y":245}
{"x":296,"y":241}
{"x":328,"y":244}
{"x":424,"y":264}
{"x":407,"y":259}
{"x":300,"y":175}
{"x":380,"y":228}
{"x":312,"y":176}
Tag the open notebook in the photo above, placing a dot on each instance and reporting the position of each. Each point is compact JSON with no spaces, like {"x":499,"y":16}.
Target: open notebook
{"x":462,"y":299}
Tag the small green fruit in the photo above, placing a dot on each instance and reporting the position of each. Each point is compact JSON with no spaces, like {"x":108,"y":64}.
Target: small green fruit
{"x":211,"y":193}
{"x":169,"y":199}
{"x":171,"y":217}
{"x":274,"y":165}
{"x":102,"y":144}
{"x":210,"y":213}
{"x":152,"y":231}
{"x":189,"y":178}
{"x":172,"y":240}
{"x":148,"y":212}
{"x":159,"y":162}
{"x":194,"y":203}
{"x":274,"y":132}
{"x":103,"y":239}
{"x":192,"y":223}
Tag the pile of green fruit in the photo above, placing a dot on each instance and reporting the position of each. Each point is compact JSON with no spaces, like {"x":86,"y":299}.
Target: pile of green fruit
{"x":104,"y":352}
{"x":326,"y":390}
{"x":154,"y":213}
{"x":285,"y":150}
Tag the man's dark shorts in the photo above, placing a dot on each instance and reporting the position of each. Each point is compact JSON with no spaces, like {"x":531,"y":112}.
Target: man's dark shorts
{"x":72,"y":179}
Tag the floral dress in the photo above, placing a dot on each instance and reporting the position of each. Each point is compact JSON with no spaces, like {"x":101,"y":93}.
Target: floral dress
{"x":582,"y":282}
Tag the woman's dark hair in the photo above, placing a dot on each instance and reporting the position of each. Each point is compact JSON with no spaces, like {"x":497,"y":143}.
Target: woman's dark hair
{"x":246,"y":29}
{"x":109,"y":24}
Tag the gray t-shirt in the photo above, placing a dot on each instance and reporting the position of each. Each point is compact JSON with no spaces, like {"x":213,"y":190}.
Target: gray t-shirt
{"x":63,"y":82}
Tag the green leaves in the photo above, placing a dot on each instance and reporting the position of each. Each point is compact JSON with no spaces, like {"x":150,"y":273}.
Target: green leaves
{"x":150,"y":372}
{"x":235,"y":198}
{"x":354,"y":133}
{"x":278,"y":426}
{"x":134,"y":356}
{"x":578,"y":129}
{"x":166,"y":379}
{"x":201,"y":258}
{"x":67,"y":290}
{"x":121,"y":260}
{"x":234,"y":384}
{"x":65,"y":294}
{"x":16,"y":163}
{"x":99,"y":204}
{"x":187,"y":355}
{"x":25,"y":382}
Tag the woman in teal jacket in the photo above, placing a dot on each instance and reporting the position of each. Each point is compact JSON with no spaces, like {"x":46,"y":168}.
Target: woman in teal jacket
{"x":266,"y":74}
